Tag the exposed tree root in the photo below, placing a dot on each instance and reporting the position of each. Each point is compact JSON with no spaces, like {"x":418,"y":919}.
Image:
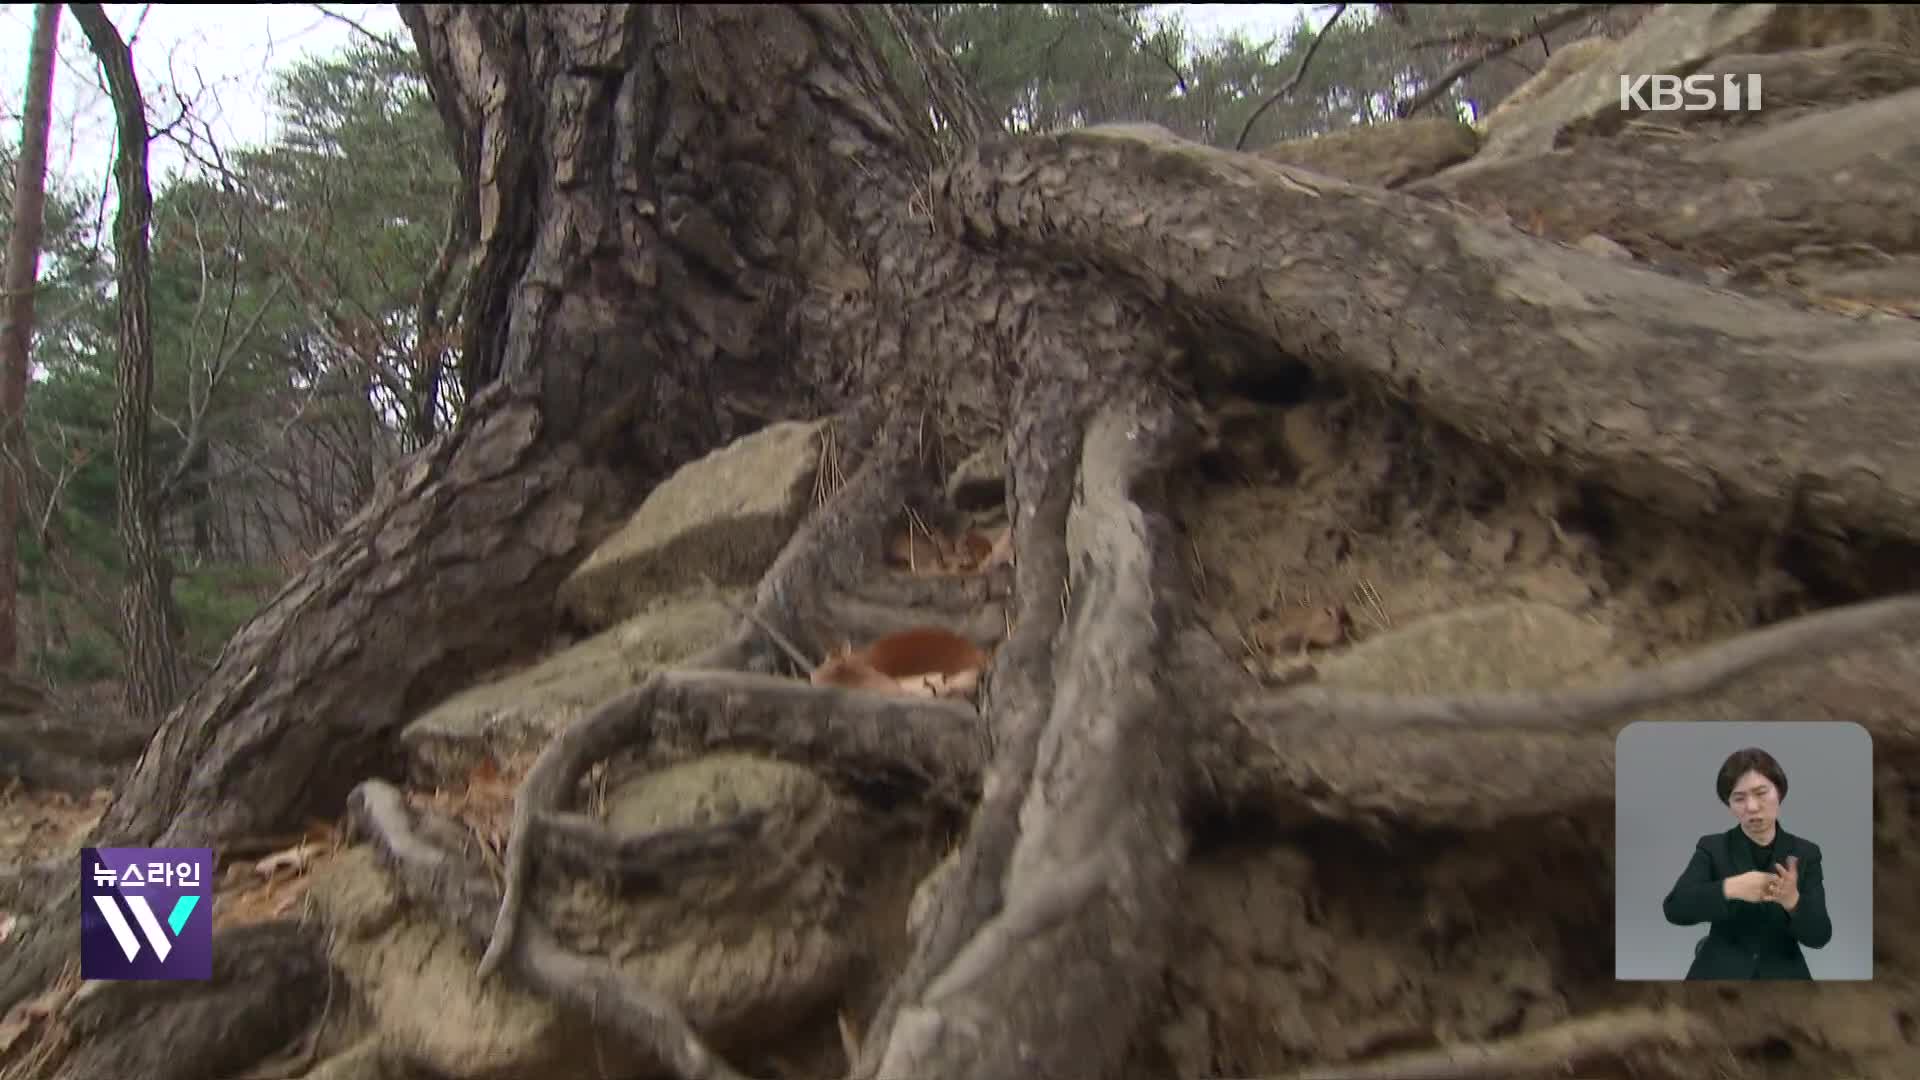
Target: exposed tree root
{"x":1045,"y":448}
{"x":1808,"y":636}
{"x":578,"y":844}
{"x":1087,"y":863}
{"x":832,"y":550}
{"x":430,"y":875}
{"x":1693,"y":400}
{"x":1547,"y":1052}
{"x":1470,"y":761}
{"x":269,"y":981}
{"x":933,"y":746}
{"x":1074,"y":853}
{"x":947,"y":595}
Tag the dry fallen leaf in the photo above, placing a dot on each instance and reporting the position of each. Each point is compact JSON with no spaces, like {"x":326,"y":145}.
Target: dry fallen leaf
{"x":925,"y":662}
{"x":961,"y":684}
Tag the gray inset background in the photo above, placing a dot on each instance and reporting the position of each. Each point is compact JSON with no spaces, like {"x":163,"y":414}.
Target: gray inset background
{"x":1664,"y":803}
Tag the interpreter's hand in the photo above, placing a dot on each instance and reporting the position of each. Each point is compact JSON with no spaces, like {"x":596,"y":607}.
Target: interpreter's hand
{"x":1754,"y":886}
{"x":1785,"y":889}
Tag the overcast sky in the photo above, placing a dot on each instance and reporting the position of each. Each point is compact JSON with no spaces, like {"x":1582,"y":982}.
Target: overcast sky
{"x":223,"y":55}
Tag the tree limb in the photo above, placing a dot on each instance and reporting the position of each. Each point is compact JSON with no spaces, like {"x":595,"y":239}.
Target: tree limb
{"x":1138,"y":39}
{"x":1499,"y":47}
{"x":1299,"y":73}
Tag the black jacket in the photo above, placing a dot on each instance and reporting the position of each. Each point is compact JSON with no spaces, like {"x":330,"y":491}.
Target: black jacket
{"x":1750,"y":941}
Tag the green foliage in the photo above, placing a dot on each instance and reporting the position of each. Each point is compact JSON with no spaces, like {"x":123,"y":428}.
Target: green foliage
{"x":282,"y":301}
{"x":287,"y":359}
{"x":1048,"y":67}
{"x":215,"y":601}
{"x":86,"y":657}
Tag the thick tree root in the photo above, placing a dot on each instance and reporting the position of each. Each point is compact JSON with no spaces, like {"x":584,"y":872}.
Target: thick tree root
{"x":1310,"y":708}
{"x":1045,"y":446}
{"x":1691,"y":399}
{"x":270,"y":981}
{"x":1087,"y":865}
{"x":832,"y":550}
{"x":1473,"y":760}
{"x":430,"y":875}
{"x":934,"y":746}
{"x":580,"y":845}
{"x":1547,"y":1052}
{"x":860,"y":620}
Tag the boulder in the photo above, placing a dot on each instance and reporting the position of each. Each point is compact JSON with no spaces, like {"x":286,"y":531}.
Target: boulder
{"x":1677,"y":39}
{"x":1385,"y":155}
{"x":1569,"y":58}
{"x":516,"y":715}
{"x":413,"y":976}
{"x":1493,"y":647}
{"x":724,"y":517}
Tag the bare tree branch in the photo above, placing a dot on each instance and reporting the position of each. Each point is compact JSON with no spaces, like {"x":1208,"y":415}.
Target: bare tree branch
{"x":1498,"y":47}
{"x":1299,"y":73}
{"x":1142,"y":41}
{"x":390,"y":44}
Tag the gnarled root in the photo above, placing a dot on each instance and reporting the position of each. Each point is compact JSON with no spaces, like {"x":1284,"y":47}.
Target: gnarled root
{"x":1547,"y":1052}
{"x":831,"y":550}
{"x":1068,"y":874}
{"x":1797,"y":640}
{"x":430,"y":875}
{"x":1472,"y":761}
{"x":932,"y":746}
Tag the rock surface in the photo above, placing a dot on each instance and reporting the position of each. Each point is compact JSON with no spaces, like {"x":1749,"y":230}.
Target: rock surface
{"x":1676,"y":39}
{"x":723,"y":517}
{"x":517,"y":714}
{"x":1504,"y":646}
{"x":1386,"y":155}
{"x":394,"y":959}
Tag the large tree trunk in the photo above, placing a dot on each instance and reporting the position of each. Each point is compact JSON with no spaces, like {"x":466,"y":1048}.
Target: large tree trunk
{"x":645,"y":218}
{"x":22,"y":275}
{"x":672,"y":235}
{"x":153,"y":663}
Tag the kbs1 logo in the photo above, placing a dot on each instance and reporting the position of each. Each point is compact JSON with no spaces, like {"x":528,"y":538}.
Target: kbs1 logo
{"x":146,"y":913}
{"x":1694,"y":93}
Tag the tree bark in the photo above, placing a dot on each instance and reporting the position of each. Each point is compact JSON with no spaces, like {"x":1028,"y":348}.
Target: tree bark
{"x":153,"y":662}
{"x":645,"y":213}
{"x":1698,"y":401}
{"x":22,"y":279}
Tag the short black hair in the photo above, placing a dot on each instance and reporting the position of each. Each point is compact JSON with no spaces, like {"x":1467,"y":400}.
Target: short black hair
{"x":1740,"y":763}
